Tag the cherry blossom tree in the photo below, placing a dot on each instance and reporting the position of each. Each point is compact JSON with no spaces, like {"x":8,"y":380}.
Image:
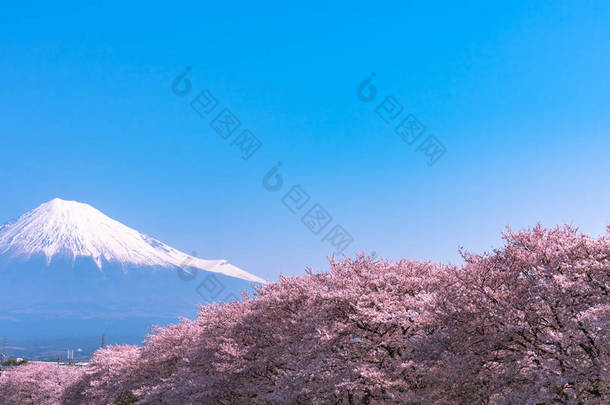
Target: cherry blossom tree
{"x":527,"y":323}
{"x":104,"y":380}
{"x":36,"y":384}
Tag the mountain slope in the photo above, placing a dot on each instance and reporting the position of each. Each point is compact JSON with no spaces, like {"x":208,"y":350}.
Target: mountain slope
{"x":70,"y":228}
{"x":69,"y":273}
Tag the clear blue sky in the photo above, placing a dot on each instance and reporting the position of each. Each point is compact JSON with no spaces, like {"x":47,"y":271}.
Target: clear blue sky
{"x":519,"y":95}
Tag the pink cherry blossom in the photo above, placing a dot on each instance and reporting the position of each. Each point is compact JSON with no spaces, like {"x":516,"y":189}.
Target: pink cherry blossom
{"x":37,"y":383}
{"x":528,"y":323}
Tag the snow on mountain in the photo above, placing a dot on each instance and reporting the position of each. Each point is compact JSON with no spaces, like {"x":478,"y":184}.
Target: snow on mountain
{"x":73,"y":229}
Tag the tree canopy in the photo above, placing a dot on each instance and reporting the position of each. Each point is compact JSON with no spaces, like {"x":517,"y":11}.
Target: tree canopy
{"x":527,"y":323}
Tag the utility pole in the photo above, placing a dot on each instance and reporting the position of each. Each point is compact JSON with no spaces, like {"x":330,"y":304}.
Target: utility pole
{"x":4,"y":354}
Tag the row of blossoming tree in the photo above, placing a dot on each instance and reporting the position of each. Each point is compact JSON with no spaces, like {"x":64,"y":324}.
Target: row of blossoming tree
{"x":528,"y":323}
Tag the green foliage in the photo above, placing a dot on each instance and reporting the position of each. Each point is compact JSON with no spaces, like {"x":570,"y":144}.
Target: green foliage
{"x":14,"y":362}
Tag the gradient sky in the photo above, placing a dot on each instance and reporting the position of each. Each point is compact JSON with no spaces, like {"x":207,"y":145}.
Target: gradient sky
{"x":519,"y":95}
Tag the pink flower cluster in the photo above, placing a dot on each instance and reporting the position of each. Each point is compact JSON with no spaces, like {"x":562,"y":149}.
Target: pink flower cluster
{"x":528,"y":323}
{"x":37,"y":383}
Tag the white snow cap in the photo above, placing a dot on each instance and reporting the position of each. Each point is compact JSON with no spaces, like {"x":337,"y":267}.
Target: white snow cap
{"x":61,"y":227}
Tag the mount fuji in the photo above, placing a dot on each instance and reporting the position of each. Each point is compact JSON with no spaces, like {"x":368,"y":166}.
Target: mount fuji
{"x":69,"y":273}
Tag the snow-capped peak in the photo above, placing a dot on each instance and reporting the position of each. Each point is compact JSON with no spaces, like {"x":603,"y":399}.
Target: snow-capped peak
{"x":71,"y":228}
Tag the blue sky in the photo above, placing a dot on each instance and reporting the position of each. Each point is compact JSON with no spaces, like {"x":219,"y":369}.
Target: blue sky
{"x":518,"y":94}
